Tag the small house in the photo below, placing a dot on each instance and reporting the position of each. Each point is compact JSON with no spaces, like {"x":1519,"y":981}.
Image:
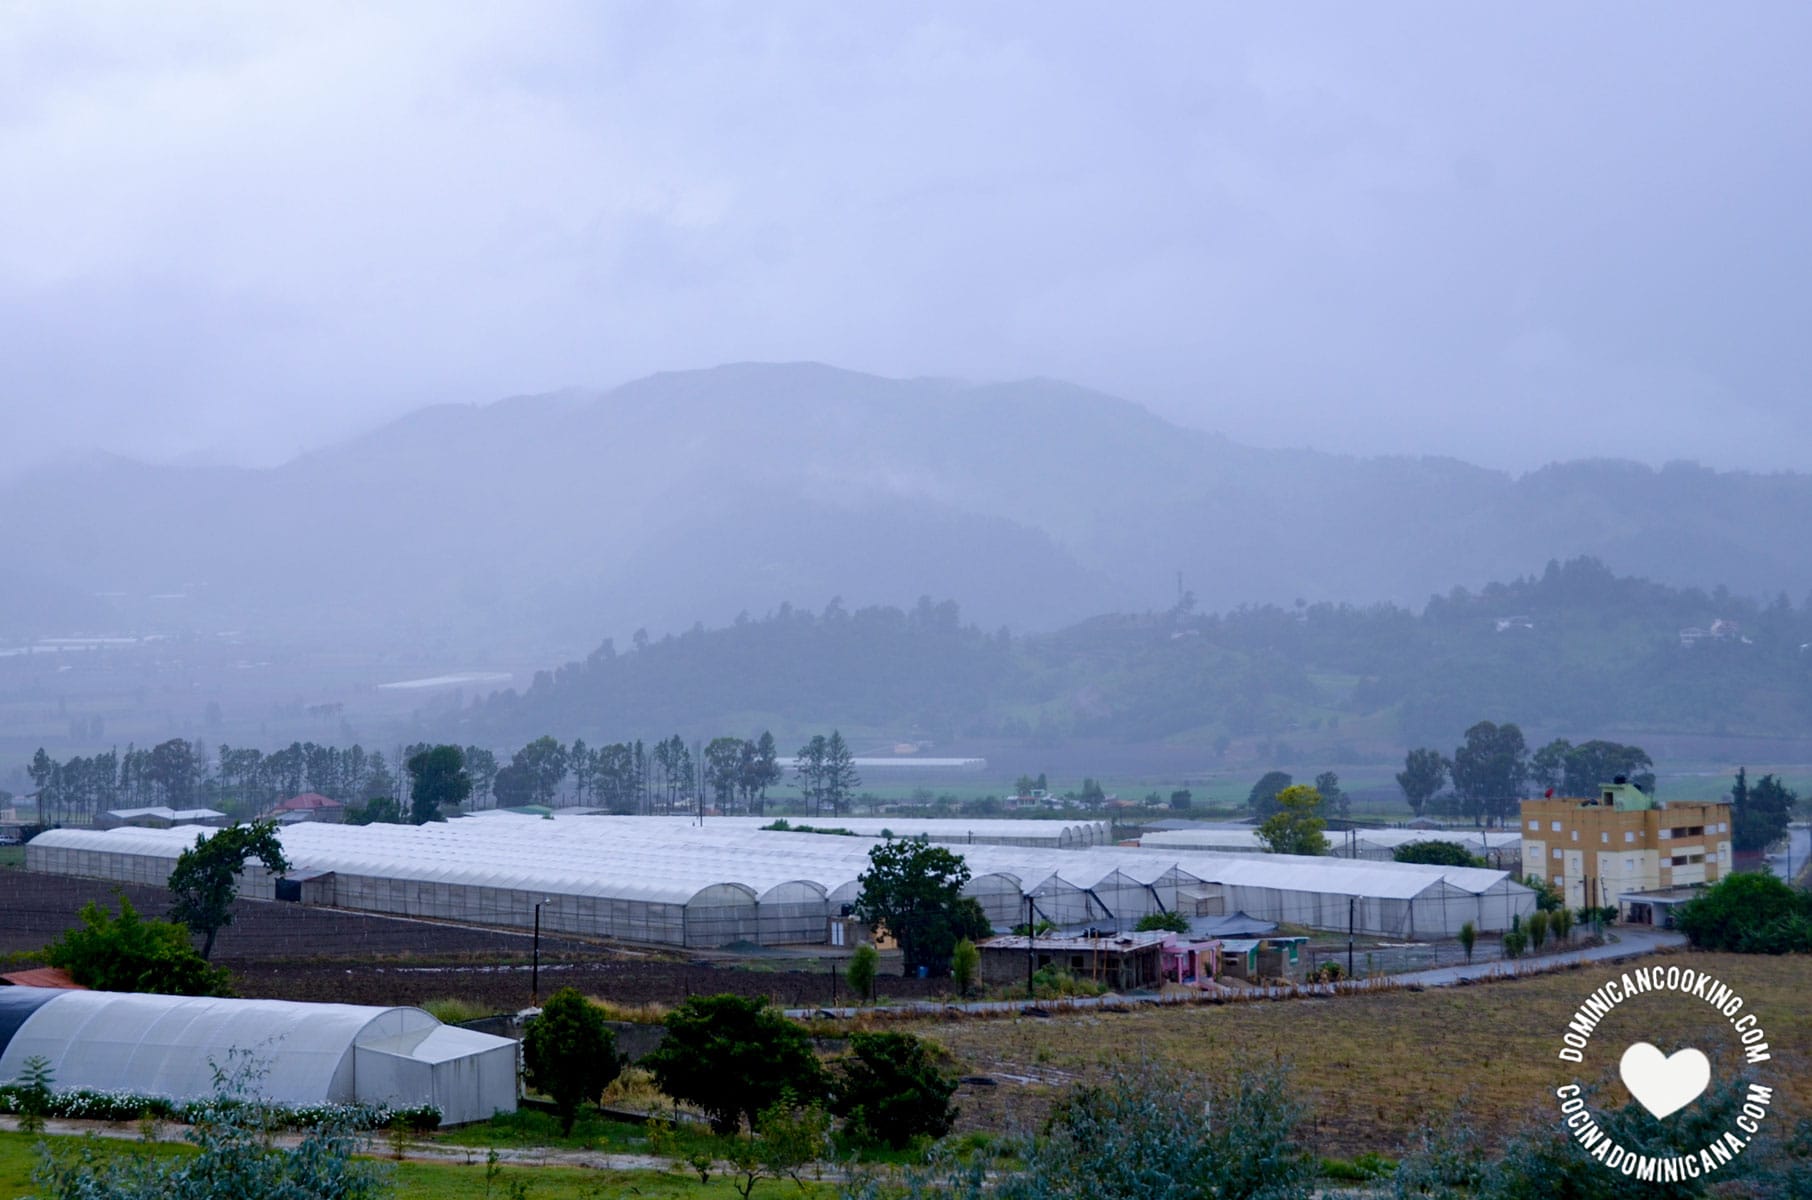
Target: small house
{"x":1123,"y":962}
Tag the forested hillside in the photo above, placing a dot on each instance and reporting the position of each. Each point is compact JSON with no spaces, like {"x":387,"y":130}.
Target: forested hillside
{"x":1576,"y":647}
{"x":532,"y":527}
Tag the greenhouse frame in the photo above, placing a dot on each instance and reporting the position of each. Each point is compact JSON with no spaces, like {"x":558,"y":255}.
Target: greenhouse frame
{"x":296,"y":1054}
{"x":669,"y":882}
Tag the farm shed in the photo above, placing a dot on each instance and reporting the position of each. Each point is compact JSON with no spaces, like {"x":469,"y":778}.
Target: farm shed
{"x":676,"y":883}
{"x":1122,"y":962}
{"x":309,"y":1053}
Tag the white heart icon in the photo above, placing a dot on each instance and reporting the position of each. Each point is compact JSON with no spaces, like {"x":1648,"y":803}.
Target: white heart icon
{"x":1664,"y":1083}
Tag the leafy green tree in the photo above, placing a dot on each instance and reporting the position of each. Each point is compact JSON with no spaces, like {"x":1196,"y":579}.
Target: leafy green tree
{"x":1333,"y":797}
{"x":1561,"y":922}
{"x":206,"y":879}
{"x":1181,"y":799}
{"x":724,"y":758}
{"x":1547,"y":896}
{"x":1759,"y":812}
{"x":735,"y":1057}
{"x":437,"y":780}
{"x":1262,"y":800}
{"x":915,"y":889}
{"x":1469,"y":937}
{"x":569,"y":1054}
{"x":840,"y":777}
{"x":130,"y":954}
{"x":1424,"y":772}
{"x":1548,"y":765}
{"x":784,"y":1141}
{"x":890,"y":1090}
{"x":1591,"y":764}
{"x":1296,"y":827}
{"x":1489,"y":770}
{"x":1749,"y":913}
{"x":808,"y":771}
{"x":860,"y":974}
{"x":543,"y":765}
{"x":1163,"y":922}
{"x":760,"y":771}
{"x":382,"y":810}
{"x":965,"y":964}
{"x":1437,"y":854}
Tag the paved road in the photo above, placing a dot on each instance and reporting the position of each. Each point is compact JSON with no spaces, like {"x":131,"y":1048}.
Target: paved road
{"x":1631,"y":942}
{"x":1800,"y":838}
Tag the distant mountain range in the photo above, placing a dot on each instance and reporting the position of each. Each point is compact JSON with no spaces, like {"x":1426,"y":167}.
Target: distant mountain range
{"x":547,"y":523}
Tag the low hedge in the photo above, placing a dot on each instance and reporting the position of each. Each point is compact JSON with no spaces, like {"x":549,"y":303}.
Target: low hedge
{"x":84,"y":1104}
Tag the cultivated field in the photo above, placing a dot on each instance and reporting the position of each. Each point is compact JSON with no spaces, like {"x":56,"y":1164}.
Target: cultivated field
{"x":294,"y":952}
{"x":1380,"y":1067}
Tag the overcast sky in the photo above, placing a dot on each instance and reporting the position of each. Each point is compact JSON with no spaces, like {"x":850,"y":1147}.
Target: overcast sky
{"x":1519,"y":234}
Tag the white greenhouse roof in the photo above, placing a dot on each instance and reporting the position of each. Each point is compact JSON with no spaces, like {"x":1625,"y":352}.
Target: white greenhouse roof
{"x":665,"y":861}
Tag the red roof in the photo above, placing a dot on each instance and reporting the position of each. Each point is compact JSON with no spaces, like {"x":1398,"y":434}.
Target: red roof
{"x":306,"y":801}
{"x":44,"y":977}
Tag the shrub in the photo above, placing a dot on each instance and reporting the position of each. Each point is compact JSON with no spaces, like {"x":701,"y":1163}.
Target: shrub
{"x":965,"y":964}
{"x":33,"y":1094}
{"x":1538,"y":929}
{"x":1054,"y":983}
{"x":1172,"y":922}
{"x":888,"y":1090}
{"x":569,"y":1054}
{"x":860,"y":973}
{"x":1750,"y":914}
{"x":130,"y":954}
{"x":1515,"y":942}
{"x":733,"y":1057}
{"x":1469,"y":936}
{"x":1438,"y":854}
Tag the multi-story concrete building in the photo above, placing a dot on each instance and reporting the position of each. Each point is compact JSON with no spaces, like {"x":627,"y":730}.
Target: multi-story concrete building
{"x":1600,"y":849}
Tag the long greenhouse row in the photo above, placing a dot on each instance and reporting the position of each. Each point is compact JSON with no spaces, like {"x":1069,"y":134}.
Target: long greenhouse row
{"x":670,"y":882}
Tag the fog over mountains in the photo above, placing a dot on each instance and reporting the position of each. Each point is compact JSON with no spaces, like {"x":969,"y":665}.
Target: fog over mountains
{"x":551,"y":522}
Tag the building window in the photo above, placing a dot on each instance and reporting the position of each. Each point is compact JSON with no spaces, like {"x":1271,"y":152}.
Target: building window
{"x":1535,"y":825}
{"x":1665,"y":834}
{"x":1557,"y":852}
{"x":1556,"y":826}
{"x":1559,"y":881}
{"x":1629,"y":864}
{"x":1604,"y":839}
{"x":1629,"y":837}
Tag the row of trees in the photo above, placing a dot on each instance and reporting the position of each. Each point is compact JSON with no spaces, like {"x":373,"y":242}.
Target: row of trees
{"x":1264,"y":799}
{"x":1493,"y":770}
{"x":734,"y":773}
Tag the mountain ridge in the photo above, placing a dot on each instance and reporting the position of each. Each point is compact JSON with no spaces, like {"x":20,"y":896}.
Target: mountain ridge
{"x":549,"y":521}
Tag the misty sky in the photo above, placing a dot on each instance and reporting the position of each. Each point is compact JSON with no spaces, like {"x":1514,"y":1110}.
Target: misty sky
{"x":1515,"y":235}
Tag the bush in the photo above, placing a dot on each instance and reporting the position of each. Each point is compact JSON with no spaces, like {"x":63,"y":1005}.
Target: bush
{"x":965,"y":964}
{"x":1172,"y":922}
{"x":1749,"y":914}
{"x":130,"y":954}
{"x":86,"y":1104}
{"x":1437,"y":854}
{"x":888,"y":1090}
{"x":733,"y":1057}
{"x":860,"y":973}
{"x":569,"y":1054}
{"x":1054,"y":983}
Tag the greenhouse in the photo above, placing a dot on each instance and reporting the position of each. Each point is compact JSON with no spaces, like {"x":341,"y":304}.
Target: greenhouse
{"x":299,"y":1054}
{"x":672,"y":882}
{"x":1498,"y":847}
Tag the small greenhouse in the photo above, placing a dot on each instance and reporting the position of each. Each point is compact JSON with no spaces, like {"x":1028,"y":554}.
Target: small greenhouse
{"x":301,"y":1054}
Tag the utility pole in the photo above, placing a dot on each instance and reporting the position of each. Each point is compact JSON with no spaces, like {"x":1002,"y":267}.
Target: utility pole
{"x":1352,"y":924}
{"x":1031,"y":940}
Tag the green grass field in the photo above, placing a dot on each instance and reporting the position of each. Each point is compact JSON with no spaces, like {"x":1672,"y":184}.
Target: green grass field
{"x":452,"y":1181}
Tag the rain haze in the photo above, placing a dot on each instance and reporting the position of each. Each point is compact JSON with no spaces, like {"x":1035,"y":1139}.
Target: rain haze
{"x":1540,"y":233}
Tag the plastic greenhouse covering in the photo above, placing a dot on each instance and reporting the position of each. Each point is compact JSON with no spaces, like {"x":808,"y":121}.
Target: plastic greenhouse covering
{"x":667,"y":881}
{"x":299,"y":1054}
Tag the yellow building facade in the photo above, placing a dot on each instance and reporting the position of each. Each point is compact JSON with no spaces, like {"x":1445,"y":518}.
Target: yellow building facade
{"x":1599,"y":849}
